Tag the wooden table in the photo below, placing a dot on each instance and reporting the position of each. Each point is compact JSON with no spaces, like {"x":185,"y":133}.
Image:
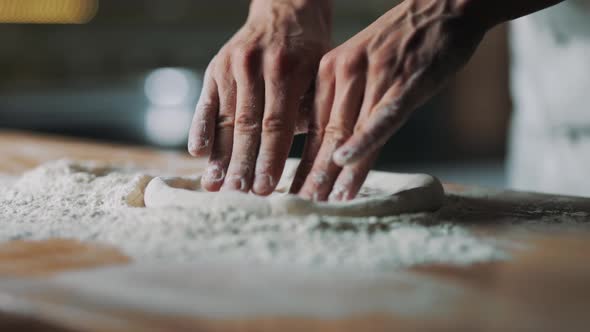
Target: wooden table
{"x":543,"y":289}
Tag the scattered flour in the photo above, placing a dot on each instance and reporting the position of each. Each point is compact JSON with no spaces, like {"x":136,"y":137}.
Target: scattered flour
{"x":92,"y":202}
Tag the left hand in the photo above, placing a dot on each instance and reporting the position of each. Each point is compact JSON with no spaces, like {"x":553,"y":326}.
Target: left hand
{"x":367,"y":88}
{"x":255,"y":92}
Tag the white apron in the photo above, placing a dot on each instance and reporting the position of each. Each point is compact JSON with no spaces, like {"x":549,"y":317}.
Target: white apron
{"x":550,"y":134}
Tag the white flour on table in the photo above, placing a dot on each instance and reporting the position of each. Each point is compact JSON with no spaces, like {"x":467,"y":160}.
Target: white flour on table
{"x":88,"y":202}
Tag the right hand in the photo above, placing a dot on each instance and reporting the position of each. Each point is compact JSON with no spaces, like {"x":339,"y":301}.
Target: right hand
{"x":368,"y":87}
{"x":257,"y":94}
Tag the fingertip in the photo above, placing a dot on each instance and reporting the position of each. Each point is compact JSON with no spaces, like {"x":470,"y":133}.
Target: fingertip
{"x":201,"y":134}
{"x":213,"y":178}
{"x":305,"y":194}
{"x":235,"y":183}
{"x":210,"y":185}
{"x":338,"y":194}
{"x":264,"y":184}
{"x":198,"y":147}
{"x":317,"y":186}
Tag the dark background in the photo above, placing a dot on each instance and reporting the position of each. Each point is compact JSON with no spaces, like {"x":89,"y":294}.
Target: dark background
{"x":132,"y":74}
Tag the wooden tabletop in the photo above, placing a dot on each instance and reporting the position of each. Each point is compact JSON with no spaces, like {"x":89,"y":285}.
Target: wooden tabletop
{"x":546,"y":288}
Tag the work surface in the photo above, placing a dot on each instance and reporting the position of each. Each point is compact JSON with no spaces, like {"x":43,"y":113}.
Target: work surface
{"x":545,"y":287}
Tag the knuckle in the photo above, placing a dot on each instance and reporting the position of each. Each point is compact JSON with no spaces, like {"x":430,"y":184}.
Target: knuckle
{"x":337,"y":134}
{"x":225,"y":122}
{"x":274,"y":124}
{"x":206,"y":107}
{"x":349,"y":64}
{"x":222,"y":66}
{"x":315,"y":131}
{"x":377,"y":62}
{"x":244,"y":56}
{"x":327,"y":64}
{"x":212,"y":64}
{"x":375,"y":69}
{"x":247,"y":122}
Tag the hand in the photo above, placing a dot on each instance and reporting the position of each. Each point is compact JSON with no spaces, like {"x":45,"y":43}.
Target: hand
{"x":367,"y":88}
{"x":254,"y":94}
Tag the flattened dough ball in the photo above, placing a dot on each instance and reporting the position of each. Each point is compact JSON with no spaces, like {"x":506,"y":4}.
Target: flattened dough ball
{"x":384,"y":194}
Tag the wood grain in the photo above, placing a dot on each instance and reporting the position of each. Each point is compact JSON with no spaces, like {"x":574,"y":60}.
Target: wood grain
{"x":44,"y":258}
{"x":544,"y":288}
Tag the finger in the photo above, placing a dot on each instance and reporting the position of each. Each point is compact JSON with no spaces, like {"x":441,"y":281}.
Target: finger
{"x":282,"y":99}
{"x":322,"y":105}
{"x":345,"y":110}
{"x":312,"y":145}
{"x":378,"y":84}
{"x":246,"y":140}
{"x":373,"y":133}
{"x":305,"y":111}
{"x":222,"y":145}
{"x":351,"y":179}
{"x":382,"y":122}
{"x":203,"y":124}
{"x":352,"y":176}
{"x":374,"y":93}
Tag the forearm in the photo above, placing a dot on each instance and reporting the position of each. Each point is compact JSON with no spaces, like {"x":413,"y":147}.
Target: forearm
{"x":325,"y":7}
{"x":292,"y":17}
{"x":493,"y":12}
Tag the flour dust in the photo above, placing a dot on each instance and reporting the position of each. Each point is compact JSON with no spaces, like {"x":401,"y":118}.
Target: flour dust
{"x":97,"y":203}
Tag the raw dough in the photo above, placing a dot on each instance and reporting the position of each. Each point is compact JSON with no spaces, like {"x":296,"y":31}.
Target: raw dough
{"x":383,"y":194}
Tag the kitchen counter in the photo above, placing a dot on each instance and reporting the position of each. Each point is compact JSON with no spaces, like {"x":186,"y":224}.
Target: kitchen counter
{"x":544,"y":287}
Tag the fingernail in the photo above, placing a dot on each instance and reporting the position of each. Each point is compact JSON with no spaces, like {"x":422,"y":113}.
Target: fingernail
{"x":214,"y":174}
{"x":234,"y":182}
{"x":315,"y":197}
{"x":319,"y":178}
{"x":338,"y":194}
{"x":264,"y":182}
{"x":195,"y":146}
{"x":343,"y":156}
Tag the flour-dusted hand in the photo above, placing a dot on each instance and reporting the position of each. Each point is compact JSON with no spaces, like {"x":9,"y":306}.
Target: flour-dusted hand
{"x":367,"y":87}
{"x":253,"y":100}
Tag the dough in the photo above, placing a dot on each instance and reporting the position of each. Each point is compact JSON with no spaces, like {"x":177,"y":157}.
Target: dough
{"x":383,"y":194}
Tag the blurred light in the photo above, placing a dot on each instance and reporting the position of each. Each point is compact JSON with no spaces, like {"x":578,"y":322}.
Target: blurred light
{"x":168,"y":126}
{"x":171,"y":86}
{"x":172,"y":94}
{"x":47,"y":11}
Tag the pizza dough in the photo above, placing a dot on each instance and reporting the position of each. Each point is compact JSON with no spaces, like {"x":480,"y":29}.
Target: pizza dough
{"x":383,"y":194}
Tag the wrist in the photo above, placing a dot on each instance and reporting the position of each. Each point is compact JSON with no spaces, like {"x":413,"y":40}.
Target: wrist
{"x":314,"y":16}
{"x":323,"y":5}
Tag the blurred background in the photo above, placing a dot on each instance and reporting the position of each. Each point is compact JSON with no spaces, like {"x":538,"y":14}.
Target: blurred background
{"x":131,"y":71}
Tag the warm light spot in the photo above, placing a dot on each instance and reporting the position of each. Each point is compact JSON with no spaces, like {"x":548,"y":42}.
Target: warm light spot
{"x":47,"y":11}
{"x":168,"y":126}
